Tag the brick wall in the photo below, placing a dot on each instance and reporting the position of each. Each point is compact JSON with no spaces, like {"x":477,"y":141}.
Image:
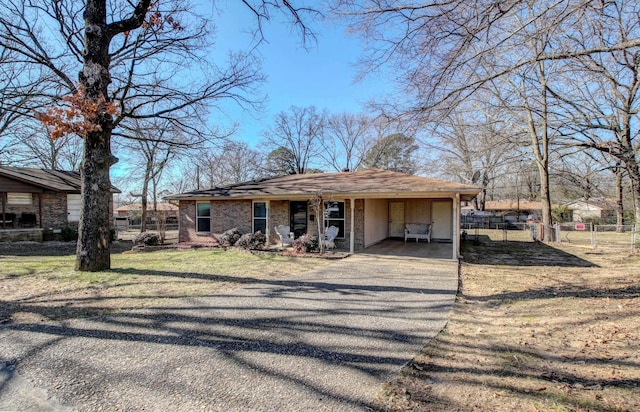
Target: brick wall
{"x":54,"y":210}
{"x":227,"y":214}
{"x":278,"y":215}
{"x":187,"y":224}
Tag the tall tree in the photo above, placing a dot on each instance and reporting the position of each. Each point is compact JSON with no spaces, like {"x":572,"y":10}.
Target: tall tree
{"x":393,"y":152}
{"x":346,"y":140}
{"x":152,"y":145}
{"x":299,"y":131}
{"x":444,"y":52}
{"x":232,"y":162}
{"x":603,"y":117}
{"x":128,"y":55}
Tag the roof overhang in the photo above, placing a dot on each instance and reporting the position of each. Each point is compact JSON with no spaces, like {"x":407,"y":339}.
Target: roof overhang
{"x":466,"y":195}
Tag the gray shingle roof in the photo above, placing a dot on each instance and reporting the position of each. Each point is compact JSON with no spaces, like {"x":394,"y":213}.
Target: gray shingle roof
{"x":57,"y":180}
{"x":362,"y":183}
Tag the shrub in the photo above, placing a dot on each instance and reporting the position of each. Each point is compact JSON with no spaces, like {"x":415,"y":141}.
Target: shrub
{"x":148,"y":239}
{"x":68,"y":234}
{"x":306,"y":243}
{"x":251,"y":241}
{"x":230,"y":237}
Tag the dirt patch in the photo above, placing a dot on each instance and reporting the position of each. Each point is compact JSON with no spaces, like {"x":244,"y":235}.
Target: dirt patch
{"x":535,"y":327}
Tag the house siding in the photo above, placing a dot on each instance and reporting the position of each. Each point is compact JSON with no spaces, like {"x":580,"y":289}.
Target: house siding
{"x":376,"y":227}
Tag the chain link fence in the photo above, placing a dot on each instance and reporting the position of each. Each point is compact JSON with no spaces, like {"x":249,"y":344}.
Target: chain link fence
{"x":577,"y":234}
{"x":598,"y":236}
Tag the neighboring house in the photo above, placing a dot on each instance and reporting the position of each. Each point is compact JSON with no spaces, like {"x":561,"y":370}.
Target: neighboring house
{"x":40,"y":198}
{"x":507,"y":210}
{"x":134,"y":211}
{"x":367,"y":206}
{"x":593,"y":210}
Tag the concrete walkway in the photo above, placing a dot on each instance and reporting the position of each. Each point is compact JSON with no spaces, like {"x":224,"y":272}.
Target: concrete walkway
{"x":326,"y":340}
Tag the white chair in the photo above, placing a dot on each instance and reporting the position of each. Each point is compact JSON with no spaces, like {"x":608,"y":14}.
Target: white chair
{"x":284,"y":233}
{"x":329,"y":235}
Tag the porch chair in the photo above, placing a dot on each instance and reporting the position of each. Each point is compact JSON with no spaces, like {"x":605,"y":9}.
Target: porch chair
{"x":285,"y":234}
{"x":329,"y":235}
{"x":9,"y":220}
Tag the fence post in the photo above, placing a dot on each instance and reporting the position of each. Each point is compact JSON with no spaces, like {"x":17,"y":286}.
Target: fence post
{"x":594,"y":235}
{"x":557,"y":227}
{"x":634,"y":237}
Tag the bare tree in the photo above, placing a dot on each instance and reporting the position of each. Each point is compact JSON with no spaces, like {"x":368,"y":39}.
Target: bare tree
{"x":232,"y":162}
{"x":604,"y":116}
{"x":127,"y":55}
{"x":152,"y":145}
{"x":444,"y":52}
{"x":394,"y":152}
{"x":475,"y":144}
{"x":299,"y":131}
{"x":346,"y":141}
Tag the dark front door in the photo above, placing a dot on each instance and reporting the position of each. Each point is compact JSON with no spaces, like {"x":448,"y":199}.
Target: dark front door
{"x":298,"y":217}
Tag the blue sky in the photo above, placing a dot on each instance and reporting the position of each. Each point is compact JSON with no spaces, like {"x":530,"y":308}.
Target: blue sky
{"x":324,"y":75}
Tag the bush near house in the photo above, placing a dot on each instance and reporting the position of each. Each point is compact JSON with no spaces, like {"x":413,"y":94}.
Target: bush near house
{"x":251,"y":241}
{"x":305,"y":244}
{"x":148,"y":239}
{"x":230,"y":237}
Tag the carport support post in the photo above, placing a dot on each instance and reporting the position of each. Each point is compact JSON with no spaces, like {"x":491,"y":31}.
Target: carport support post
{"x":352,"y":235}
{"x":456,"y":227}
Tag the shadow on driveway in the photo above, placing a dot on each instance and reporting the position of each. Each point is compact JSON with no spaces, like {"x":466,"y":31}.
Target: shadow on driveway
{"x":324,"y":341}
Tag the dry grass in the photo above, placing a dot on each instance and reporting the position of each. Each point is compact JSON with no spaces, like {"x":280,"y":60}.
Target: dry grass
{"x":535,"y":328}
{"x":45,"y":287}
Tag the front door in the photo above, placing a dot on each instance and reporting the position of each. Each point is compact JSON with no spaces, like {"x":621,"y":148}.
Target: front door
{"x":74,"y":204}
{"x":298,"y":218}
{"x":396,"y":219}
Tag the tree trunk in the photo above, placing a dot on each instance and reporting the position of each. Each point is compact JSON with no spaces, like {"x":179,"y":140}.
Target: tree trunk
{"x":545,"y":199}
{"x":93,"y":250}
{"x":633,"y":168}
{"x":619,"y":198}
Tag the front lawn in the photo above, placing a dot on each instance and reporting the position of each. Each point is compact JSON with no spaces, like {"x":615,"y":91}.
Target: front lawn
{"x":536,"y":327}
{"x":44,"y":286}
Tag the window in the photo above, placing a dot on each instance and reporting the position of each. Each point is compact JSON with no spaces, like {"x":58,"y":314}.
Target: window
{"x":203,"y":217}
{"x":19,"y":199}
{"x":260,"y":216}
{"x":334,"y":216}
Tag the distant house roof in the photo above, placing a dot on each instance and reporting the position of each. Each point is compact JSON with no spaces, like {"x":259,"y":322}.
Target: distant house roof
{"x":363,"y":183}
{"x":136,"y":207}
{"x":504,"y":205}
{"x":56,"y":180}
{"x":591,"y":204}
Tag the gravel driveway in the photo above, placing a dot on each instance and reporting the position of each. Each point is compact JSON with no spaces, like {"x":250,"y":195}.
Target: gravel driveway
{"x":325,"y":340}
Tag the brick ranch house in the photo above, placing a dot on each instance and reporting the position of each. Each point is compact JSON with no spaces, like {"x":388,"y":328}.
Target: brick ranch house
{"x":367,"y":206}
{"x":36,"y":199}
